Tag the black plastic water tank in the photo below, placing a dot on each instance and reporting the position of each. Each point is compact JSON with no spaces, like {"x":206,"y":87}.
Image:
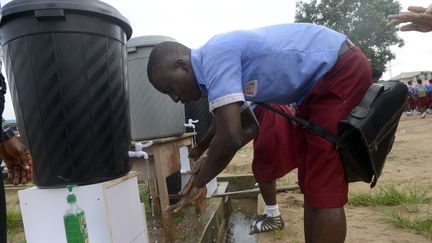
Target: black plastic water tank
{"x":66,"y":66}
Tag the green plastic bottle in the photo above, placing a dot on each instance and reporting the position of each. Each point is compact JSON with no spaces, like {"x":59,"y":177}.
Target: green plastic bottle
{"x":74,"y":220}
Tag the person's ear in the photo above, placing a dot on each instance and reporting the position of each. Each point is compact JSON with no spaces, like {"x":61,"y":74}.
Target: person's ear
{"x":180,"y":63}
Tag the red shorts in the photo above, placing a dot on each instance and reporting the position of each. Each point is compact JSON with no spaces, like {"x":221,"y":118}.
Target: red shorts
{"x":320,"y":171}
{"x":421,"y":102}
{"x":430,"y":99}
{"x":411,"y":102}
{"x":274,"y":147}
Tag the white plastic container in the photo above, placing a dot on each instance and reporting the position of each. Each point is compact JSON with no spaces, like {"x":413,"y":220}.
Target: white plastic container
{"x":113,"y":211}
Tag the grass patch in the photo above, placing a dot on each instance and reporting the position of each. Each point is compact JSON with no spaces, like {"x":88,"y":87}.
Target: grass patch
{"x":182,"y":237}
{"x":14,"y":222}
{"x":7,"y":183}
{"x":390,"y":196}
{"x":278,"y":234}
{"x":400,"y":206}
{"x":418,"y":225}
{"x":178,"y":219}
{"x":144,"y":193}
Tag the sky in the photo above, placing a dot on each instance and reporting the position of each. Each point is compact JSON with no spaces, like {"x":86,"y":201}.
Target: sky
{"x":193,"y":22}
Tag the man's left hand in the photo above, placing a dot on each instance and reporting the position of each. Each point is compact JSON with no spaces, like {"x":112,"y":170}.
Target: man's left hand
{"x":18,"y":160}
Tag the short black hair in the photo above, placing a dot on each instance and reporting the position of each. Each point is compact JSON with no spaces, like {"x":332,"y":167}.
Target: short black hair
{"x":163,"y":55}
{"x":419,"y":81}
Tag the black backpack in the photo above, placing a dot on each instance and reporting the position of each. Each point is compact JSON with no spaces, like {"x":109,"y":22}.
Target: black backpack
{"x":365,"y":137}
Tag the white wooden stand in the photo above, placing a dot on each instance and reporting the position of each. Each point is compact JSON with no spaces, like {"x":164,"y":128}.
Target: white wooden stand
{"x":113,"y":212}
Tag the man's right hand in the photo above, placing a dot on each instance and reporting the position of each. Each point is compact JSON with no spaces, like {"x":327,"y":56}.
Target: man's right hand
{"x":192,"y":195}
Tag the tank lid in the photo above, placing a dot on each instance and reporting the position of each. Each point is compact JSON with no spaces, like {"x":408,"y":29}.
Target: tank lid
{"x":148,"y":40}
{"x":92,"y":6}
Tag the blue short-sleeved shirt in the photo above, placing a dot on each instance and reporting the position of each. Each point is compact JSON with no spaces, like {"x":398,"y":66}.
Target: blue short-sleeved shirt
{"x":276,"y":64}
{"x":410,"y":89}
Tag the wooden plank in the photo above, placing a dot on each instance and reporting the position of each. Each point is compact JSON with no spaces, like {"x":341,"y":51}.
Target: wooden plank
{"x":166,"y":157}
{"x":171,"y":152}
{"x":169,"y":139}
{"x":114,"y":182}
{"x":161,"y":160}
{"x":152,"y":184}
{"x":257,"y":190}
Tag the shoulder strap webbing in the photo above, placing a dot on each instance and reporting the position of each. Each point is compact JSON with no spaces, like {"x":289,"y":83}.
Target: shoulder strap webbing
{"x":306,"y":124}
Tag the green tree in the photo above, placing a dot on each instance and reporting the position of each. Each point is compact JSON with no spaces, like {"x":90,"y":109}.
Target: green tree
{"x":363,"y":21}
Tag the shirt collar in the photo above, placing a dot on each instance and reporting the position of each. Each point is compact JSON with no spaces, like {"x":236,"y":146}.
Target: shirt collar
{"x":197,"y":68}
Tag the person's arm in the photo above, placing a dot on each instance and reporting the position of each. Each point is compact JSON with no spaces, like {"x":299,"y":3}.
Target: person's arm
{"x":418,"y":19}
{"x":228,"y":139}
{"x":6,"y":131}
{"x":232,"y":131}
{"x":16,"y":156}
{"x":248,"y":122}
{"x":202,"y":145}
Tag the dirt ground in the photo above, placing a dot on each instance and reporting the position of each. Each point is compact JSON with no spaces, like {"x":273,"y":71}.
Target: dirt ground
{"x":409,"y":165}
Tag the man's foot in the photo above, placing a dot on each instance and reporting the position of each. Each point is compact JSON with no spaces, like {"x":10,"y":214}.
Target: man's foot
{"x":264,"y":223}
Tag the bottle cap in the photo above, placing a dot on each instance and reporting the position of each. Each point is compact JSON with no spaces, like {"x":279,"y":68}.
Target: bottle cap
{"x":71,"y":198}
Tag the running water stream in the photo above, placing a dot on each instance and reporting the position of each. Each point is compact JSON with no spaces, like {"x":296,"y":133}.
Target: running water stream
{"x":242,"y":213}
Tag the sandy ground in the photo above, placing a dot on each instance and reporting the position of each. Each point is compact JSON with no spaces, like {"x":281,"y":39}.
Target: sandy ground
{"x":408,"y":165}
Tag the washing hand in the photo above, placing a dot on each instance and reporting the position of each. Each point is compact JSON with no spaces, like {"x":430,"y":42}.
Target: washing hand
{"x":192,"y":195}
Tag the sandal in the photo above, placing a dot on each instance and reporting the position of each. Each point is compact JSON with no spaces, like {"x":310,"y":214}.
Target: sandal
{"x":264,"y":223}
{"x":257,"y":219}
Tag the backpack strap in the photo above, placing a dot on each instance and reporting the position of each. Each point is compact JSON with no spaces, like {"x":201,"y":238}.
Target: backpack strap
{"x":307,"y":124}
{"x":363,"y":108}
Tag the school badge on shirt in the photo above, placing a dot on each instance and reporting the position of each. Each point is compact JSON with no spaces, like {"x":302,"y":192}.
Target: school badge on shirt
{"x":250,"y":88}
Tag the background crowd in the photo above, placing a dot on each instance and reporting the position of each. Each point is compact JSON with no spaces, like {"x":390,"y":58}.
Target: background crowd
{"x":420,"y":98}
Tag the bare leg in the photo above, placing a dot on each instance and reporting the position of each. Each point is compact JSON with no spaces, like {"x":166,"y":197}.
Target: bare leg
{"x":324,"y":225}
{"x":271,"y":218}
{"x":268,"y":191}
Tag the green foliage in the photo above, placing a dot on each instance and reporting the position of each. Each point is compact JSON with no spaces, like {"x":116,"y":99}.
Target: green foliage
{"x":390,"y":196}
{"x":363,"y":21}
{"x":144,"y":193}
{"x":178,"y":218}
{"x":14,"y":222}
{"x":145,"y":198}
{"x":404,"y":205}
{"x":418,"y":225}
{"x":182,"y":237}
{"x":278,"y":234}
